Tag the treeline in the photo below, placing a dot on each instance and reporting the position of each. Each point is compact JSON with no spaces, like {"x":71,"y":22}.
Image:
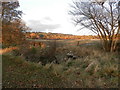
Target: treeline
{"x":57,"y":36}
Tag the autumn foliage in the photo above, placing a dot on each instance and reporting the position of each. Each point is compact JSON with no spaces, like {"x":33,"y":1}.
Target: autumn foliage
{"x":12,"y":35}
{"x":13,"y":27}
{"x":57,"y":36}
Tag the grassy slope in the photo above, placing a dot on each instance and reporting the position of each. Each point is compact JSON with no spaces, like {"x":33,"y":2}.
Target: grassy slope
{"x":80,"y":73}
{"x":18,"y":73}
{"x":95,"y":69}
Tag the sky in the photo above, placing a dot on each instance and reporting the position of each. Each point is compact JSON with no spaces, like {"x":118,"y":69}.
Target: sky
{"x":50,"y":16}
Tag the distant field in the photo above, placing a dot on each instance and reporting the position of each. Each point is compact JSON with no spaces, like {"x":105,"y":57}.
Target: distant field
{"x":69,"y":42}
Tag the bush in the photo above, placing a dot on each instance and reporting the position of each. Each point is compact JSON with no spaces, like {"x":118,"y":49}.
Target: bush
{"x":36,"y":54}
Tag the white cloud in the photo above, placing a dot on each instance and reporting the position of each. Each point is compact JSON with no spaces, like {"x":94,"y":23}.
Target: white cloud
{"x":51,"y":15}
{"x":36,"y":25}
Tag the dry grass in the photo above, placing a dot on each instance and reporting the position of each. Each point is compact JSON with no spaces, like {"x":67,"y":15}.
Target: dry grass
{"x":93,"y":67}
{"x":6,"y":50}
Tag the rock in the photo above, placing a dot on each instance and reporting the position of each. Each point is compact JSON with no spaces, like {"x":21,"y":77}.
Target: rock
{"x":74,"y":57}
{"x":71,"y":55}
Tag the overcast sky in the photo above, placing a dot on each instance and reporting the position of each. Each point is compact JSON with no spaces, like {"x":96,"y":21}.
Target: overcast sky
{"x":49,"y":16}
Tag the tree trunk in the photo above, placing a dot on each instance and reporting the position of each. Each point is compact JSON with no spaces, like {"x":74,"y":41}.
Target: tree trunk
{"x":109,"y":45}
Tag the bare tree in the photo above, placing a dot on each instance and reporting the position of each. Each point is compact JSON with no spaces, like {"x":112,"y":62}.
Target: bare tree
{"x":101,"y":17}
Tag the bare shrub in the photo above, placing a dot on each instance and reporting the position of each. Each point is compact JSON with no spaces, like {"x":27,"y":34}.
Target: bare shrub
{"x":38,"y":54}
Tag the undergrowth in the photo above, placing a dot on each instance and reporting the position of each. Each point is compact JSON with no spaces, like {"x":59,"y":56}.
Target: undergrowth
{"x":93,"y":68}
